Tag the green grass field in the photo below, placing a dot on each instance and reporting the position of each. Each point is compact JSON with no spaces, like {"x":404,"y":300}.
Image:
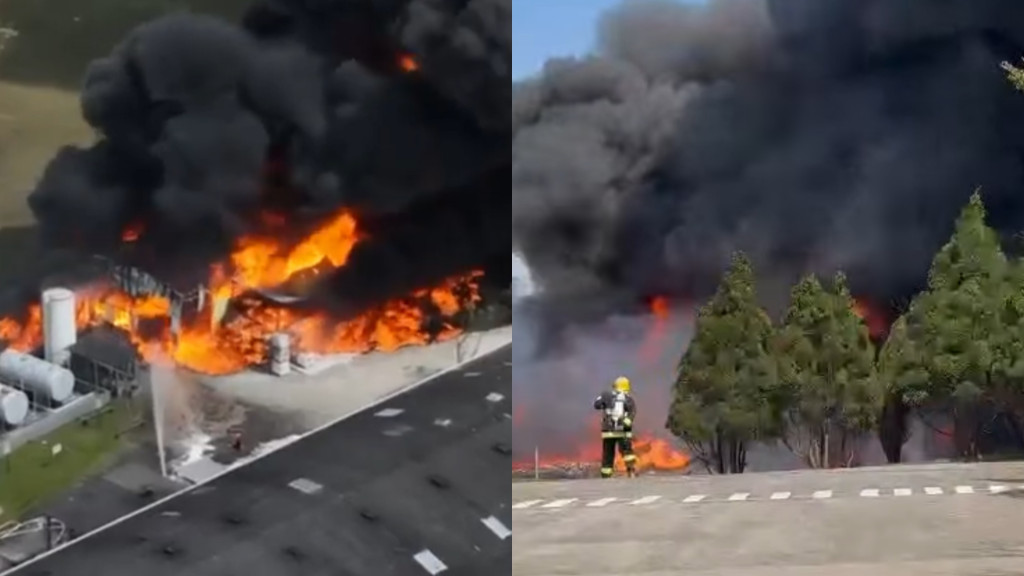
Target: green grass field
{"x":34,"y":475}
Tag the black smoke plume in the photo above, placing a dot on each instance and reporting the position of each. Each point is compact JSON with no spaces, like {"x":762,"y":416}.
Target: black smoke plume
{"x":815,"y":135}
{"x":393,"y":109}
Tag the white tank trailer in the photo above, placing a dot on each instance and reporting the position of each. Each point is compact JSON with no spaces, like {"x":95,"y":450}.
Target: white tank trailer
{"x":41,"y":379}
{"x":60,"y":330}
{"x":13,"y":406}
{"x":279,"y":348}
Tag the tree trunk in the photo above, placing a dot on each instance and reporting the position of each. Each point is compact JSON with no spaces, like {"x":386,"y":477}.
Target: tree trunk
{"x":892,"y":429}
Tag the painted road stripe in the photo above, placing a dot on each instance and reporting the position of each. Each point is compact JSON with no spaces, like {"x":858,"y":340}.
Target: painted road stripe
{"x":695,"y":499}
{"x":870,"y":493}
{"x":902,"y":492}
{"x":560,"y":503}
{"x":934,"y":491}
{"x":498,"y":527}
{"x":739,"y":497}
{"x":527,"y":504}
{"x":822,"y":495}
{"x":998,"y":489}
{"x":782,"y":496}
{"x":964,"y":490}
{"x":645,"y":501}
{"x":601,"y":503}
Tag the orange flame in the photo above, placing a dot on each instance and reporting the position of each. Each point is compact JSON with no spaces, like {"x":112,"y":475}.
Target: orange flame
{"x":408,"y":63}
{"x":218,"y":341}
{"x":874,"y":319}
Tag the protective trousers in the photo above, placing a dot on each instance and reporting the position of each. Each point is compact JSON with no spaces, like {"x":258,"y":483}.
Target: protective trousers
{"x":624,"y":445}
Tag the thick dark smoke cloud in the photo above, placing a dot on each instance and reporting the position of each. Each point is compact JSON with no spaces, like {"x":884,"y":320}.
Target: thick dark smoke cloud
{"x":306,"y":108}
{"x":814,"y":134}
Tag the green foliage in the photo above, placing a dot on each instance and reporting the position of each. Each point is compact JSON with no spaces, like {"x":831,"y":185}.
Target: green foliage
{"x":955,"y":330}
{"x":723,"y":395}
{"x":827,"y":364}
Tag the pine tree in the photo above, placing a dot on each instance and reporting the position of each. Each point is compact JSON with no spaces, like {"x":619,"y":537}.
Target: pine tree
{"x":827,"y":362}
{"x":723,"y":397}
{"x":956,"y":328}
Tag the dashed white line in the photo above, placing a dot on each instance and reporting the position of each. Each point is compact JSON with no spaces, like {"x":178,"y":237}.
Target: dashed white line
{"x":964,"y":490}
{"x":390,"y":413}
{"x":560,"y":503}
{"x":430,"y":562}
{"x":739,"y":497}
{"x":602,"y":502}
{"x":902,"y":492}
{"x":497,"y":527}
{"x":822,"y":495}
{"x":998,"y":489}
{"x":646,"y":500}
{"x":870,"y":493}
{"x":934,"y":491}
{"x":526,"y":505}
{"x":695,"y":499}
{"x":495,"y":398}
{"x":782,"y":496}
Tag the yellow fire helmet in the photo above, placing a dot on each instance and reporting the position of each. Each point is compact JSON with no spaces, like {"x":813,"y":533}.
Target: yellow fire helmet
{"x":622,"y":384}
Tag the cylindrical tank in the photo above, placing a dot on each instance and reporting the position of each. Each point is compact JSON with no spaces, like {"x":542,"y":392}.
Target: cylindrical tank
{"x":13,"y":406}
{"x":38,"y":377}
{"x":59,"y":326}
{"x":280,"y":352}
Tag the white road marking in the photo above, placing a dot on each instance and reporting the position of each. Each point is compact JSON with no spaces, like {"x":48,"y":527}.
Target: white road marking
{"x":739,"y":497}
{"x":695,"y":499}
{"x":560,"y":503}
{"x":390,"y":413}
{"x":601,"y":503}
{"x":902,"y":492}
{"x":498,"y":527}
{"x":306,"y":486}
{"x":782,"y":496}
{"x":431,"y":563}
{"x":645,"y":501}
{"x":527,"y":504}
{"x":494,"y":398}
{"x":933,"y":491}
{"x":998,"y":489}
{"x":822,"y":495}
{"x":870,"y":493}
{"x":964,"y":490}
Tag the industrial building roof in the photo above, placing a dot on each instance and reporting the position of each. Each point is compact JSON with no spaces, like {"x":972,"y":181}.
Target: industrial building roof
{"x":417,"y":485}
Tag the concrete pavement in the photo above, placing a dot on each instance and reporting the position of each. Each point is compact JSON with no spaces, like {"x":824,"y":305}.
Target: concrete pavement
{"x":940,"y":520}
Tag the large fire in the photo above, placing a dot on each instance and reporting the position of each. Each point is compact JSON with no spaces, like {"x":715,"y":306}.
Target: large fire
{"x":214,"y":343}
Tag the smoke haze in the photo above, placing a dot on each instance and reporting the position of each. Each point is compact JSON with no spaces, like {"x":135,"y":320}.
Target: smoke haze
{"x":815,"y":135}
{"x":392,"y":109}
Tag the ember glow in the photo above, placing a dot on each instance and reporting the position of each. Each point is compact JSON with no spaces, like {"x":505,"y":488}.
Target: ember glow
{"x":874,"y":319}
{"x":220,"y":341}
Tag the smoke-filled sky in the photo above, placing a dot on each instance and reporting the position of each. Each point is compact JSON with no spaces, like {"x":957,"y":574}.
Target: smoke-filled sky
{"x":391,"y":109}
{"x":814,"y":134}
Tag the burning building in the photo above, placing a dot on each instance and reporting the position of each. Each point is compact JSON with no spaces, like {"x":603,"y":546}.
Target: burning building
{"x":327,"y":175}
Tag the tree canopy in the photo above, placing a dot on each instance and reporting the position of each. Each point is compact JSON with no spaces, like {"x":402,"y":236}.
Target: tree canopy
{"x":723,"y":395}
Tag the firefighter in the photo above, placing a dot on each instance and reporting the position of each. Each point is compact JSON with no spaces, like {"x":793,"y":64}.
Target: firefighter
{"x":619,"y":411}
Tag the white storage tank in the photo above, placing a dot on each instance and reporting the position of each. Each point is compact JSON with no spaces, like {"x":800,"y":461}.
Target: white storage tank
{"x":60,"y":331}
{"x":13,"y":406}
{"x":280,"y":352}
{"x":38,"y":377}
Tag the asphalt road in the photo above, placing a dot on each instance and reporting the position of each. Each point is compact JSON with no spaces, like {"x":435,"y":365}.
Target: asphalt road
{"x":942,"y":520}
{"x":403,"y":489}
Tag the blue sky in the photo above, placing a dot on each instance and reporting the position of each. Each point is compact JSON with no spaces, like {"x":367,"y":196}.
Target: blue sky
{"x":545,"y":28}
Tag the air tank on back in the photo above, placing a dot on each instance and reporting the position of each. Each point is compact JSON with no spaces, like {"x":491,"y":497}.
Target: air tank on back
{"x":60,"y":332}
{"x":42,"y":379}
{"x":13,"y":406}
